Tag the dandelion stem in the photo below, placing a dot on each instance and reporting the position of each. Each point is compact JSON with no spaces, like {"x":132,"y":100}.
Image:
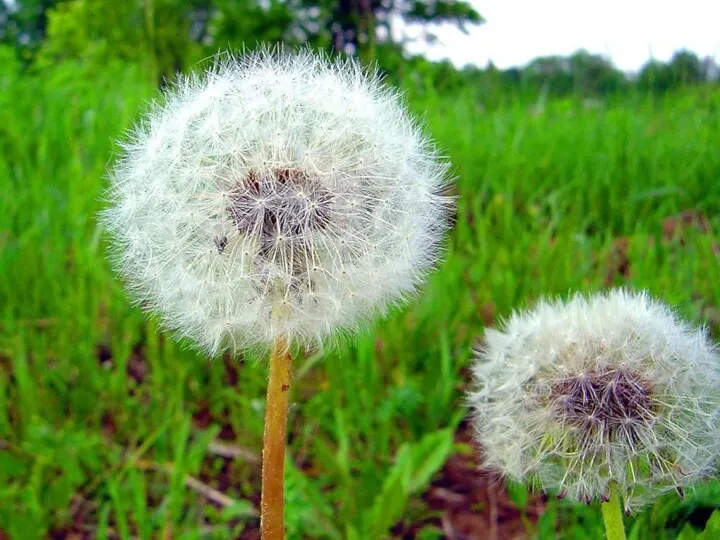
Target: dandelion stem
{"x":612,"y":516}
{"x":273,"y":466}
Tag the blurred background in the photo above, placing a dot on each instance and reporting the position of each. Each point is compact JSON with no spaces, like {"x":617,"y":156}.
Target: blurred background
{"x":584,"y":140}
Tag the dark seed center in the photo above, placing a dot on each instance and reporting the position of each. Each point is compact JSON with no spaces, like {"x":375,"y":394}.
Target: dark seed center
{"x":280,"y":208}
{"x":604,"y":401}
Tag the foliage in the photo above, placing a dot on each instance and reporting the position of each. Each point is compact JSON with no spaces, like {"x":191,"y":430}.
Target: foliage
{"x":167,"y":36}
{"x":102,"y":417}
{"x":23,"y":23}
{"x":355,"y":25}
{"x":685,"y":68}
{"x":582,"y":73}
{"x":171,"y":34}
{"x":154,"y":33}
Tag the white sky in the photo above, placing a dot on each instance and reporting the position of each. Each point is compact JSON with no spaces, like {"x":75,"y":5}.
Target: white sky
{"x":629,"y":32}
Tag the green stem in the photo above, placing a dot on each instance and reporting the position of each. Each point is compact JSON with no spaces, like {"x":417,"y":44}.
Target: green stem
{"x":612,"y":516}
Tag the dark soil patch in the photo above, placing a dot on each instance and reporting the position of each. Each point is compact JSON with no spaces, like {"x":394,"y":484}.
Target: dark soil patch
{"x":676,"y":227}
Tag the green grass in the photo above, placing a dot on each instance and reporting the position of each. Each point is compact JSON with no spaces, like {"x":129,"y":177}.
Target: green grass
{"x":103,"y":416}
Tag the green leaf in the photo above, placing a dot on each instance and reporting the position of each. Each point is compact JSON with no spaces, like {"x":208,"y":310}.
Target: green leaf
{"x":518,"y":494}
{"x":11,"y":465}
{"x":712,"y":527}
{"x":430,"y":532}
{"x":547,"y":524}
{"x":428,"y":457}
{"x":392,"y":499}
{"x":688,"y":533}
{"x":240,"y":510}
{"x":415,"y":465}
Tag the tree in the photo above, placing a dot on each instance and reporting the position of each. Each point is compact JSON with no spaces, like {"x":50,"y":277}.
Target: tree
{"x":176,"y":32}
{"x":685,"y":68}
{"x":582,"y":73}
{"x":158,"y":33}
{"x":23,"y":24}
{"x":551,"y":74}
{"x":593,"y":74}
{"x":356,"y":25}
{"x":360,"y":27}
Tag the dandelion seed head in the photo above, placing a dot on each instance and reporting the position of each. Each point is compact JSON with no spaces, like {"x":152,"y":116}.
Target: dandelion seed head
{"x":609,"y":390}
{"x":276,"y":195}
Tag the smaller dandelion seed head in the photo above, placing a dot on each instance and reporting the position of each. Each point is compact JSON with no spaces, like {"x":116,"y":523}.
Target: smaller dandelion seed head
{"x":601,"y":391}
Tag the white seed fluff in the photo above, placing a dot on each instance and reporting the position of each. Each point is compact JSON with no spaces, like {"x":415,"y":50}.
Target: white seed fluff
{"x":277,"y":195}
{"x":610,"y":390}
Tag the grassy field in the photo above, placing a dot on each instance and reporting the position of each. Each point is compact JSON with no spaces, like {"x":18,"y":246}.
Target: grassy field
{"x":109,"y":429}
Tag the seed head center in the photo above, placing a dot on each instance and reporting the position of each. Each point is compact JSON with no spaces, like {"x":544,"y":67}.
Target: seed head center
{"x":280,"y":206}
{"x":603,"y":401}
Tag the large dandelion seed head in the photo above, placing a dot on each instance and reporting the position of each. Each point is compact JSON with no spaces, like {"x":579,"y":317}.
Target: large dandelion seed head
{"x":600,"y":393}
{"x":277,"y":195}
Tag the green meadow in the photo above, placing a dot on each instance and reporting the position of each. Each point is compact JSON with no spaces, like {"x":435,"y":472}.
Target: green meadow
{"x":111,"y":429}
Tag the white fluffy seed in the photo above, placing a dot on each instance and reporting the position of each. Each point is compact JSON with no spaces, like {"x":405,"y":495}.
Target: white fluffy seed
{"x":277,"y":195}
{"x":610,"y":390}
